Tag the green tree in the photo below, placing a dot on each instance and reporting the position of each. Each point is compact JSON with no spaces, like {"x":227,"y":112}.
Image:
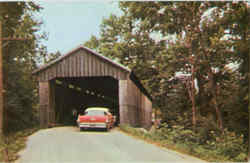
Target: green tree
{"x":196,"y":38}
{"x":123,"y":40}
{"x":19,"y":60}
{"x":203,"y":43}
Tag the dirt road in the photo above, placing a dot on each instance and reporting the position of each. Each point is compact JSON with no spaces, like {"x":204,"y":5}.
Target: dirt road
{"x":68,"y":145}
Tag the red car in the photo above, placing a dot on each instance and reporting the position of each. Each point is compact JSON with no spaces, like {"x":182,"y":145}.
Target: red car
{"x":96,"y":117}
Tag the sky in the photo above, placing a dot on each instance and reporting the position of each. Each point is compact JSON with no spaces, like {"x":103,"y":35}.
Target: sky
{"x":71,"y":23}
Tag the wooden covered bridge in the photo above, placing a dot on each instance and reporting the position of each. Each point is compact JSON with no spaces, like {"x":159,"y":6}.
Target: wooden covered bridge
{"x":84,"y":78}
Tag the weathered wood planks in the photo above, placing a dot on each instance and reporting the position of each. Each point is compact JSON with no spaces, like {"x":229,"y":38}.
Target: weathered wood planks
{"x":135,"y":107}
{"x":81,"y":64}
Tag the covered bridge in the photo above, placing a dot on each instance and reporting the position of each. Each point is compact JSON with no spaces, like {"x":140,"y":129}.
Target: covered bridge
{"x":84,"y":78}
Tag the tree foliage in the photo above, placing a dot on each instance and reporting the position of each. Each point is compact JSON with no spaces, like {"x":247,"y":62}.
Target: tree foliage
{"x":19,"y":60}
{"x":205,"y":40}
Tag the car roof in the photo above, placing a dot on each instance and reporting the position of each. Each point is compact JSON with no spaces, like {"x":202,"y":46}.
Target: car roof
{"x":97,"y":108}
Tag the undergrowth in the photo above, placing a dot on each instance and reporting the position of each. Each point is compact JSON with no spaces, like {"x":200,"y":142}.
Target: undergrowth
{"x":224,"y":147}
{"x":11,"y":144}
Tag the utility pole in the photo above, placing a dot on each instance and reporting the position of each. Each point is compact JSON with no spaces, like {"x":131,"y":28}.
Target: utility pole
{"x":2,"y":106}
{"x":2,"y":109}
{"x":1,"y":82}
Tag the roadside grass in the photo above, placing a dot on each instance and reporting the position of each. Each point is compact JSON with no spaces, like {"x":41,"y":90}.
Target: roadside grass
{"x":230,"y":148}
{"x":10,"y":145}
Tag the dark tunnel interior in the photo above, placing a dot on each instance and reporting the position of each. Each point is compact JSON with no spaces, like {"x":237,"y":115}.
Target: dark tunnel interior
{"x":83,"y":92}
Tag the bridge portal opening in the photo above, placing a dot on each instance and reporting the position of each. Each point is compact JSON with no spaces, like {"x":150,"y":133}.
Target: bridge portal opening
{"x":79,"y":93}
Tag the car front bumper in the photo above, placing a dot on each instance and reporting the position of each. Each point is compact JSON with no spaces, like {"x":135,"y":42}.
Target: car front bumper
{"x":92,"y":125}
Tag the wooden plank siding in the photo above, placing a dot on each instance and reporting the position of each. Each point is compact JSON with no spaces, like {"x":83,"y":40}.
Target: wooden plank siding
{"x":81,"y":64}
{"x":135,"y":107}
{"x":47,"y":103}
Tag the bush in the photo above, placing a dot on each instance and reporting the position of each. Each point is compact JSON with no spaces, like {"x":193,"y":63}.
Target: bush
{"x":212,"y":147}
{"x":14,"y":143}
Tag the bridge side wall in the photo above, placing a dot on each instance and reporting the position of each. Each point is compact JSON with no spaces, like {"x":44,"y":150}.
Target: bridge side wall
{"x":47,"y":103}
{"x":146,"y":112}
{"x":135,"y":107}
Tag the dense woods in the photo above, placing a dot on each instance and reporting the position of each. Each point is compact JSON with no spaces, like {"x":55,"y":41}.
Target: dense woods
{"x":193,"y":58}
{"x":20,"y":58}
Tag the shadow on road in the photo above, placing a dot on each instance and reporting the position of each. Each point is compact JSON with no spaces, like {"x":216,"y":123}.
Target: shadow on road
{"x":93,"y":130}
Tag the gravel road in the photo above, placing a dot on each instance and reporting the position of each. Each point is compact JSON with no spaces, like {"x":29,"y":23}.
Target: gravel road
{"x":68,"y":145}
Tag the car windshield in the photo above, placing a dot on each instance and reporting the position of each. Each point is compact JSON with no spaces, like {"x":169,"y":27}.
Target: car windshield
{"x":95,"y":112}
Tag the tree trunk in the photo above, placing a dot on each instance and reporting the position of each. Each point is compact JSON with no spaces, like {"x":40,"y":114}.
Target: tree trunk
{"x":194,"y":112}
{"x":193,"y":100}
{"x":214,"y":89}
{"x":190,"y":86}
{"x":218,"y":113}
